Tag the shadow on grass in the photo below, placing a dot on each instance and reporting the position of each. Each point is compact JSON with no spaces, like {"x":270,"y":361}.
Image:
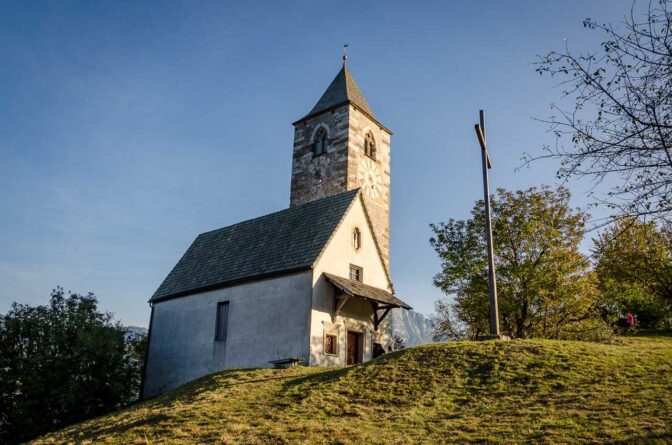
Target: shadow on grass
{"x":653,"y":333}
{"x":644,"y":438}
{"x":330,"y":375}
{"x":217,"y":381}
{"x":98,"y":430}
{"x":319,"y":378}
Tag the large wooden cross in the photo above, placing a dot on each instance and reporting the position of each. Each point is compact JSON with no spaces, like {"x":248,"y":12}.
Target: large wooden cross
{"x":492,"y":280}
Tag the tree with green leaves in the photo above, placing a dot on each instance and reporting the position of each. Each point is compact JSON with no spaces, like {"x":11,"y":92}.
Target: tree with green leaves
{"x":545,"y":285}
{"x":398,"y":343}
{"x":618,"y":122}
{"x":633,"y":262}
{"x":62,"y":363}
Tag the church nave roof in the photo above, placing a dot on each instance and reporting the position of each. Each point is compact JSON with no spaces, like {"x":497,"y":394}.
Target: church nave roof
{"x":281,"y":242}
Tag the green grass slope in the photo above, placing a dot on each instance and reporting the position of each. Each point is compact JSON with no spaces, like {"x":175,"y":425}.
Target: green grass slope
{"x":517,"y":391}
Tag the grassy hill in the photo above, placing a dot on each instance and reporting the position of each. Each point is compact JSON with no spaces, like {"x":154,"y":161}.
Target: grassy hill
{"x":517,"y":391}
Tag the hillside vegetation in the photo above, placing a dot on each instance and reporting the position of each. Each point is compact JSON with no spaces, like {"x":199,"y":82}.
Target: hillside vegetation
{"x":517,"y":391}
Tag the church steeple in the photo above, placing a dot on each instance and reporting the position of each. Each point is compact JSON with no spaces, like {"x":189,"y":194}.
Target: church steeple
{"x":340,"y":145}
{"x":342,"y":90}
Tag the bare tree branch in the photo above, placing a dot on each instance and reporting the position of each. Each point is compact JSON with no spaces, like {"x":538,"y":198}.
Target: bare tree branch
{"x":620,"y":126}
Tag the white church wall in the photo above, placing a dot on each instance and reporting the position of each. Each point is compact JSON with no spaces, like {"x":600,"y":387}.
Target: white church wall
{"x":357,"y":315}
{"x":268,"y":320}
{"x":378,"y":206}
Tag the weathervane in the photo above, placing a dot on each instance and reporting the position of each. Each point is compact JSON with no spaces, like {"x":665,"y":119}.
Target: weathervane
{"x":345,"y":53}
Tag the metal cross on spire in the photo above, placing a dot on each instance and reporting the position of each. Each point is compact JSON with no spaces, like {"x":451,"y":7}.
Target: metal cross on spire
{"x":345,"y":53}
{"x":492,"y":279}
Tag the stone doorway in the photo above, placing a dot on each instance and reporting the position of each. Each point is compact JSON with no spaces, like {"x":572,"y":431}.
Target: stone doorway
{"x":354,"y":348}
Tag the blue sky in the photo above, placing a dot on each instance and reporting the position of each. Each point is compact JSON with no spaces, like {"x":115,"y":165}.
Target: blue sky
{"x":127,"y":128}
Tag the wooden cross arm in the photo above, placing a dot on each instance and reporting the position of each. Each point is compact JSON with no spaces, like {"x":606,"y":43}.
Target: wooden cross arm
{"x":481,"y":140}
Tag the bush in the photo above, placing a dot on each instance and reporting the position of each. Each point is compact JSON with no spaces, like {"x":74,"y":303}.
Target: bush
{"x":62,"y":363}
{"x":545,"y":285}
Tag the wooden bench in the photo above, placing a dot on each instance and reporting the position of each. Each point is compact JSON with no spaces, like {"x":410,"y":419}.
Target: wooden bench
{"x":285,"y":362}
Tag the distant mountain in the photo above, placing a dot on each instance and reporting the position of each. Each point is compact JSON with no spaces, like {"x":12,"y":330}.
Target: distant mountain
{"x":412,"y":326}
{"x":134,"y":333}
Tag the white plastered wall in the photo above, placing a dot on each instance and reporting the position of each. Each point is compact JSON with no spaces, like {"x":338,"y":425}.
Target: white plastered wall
{"x":357,"y":314}
{"x":268,"y":320}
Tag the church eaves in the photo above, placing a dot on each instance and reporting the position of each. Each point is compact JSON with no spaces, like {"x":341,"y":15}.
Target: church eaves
{"x":282,"y":242}
{"x":358,"y":289}
{"x":343,"y":89}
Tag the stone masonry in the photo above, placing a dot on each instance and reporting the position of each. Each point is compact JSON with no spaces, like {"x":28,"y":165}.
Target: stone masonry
{"x":337,"y":170}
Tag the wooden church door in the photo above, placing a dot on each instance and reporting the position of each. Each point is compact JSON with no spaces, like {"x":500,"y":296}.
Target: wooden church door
{"x":353,"y":348}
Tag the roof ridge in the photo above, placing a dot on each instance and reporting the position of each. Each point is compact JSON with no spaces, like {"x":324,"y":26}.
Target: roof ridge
{"x":288,"y":209}
{"x":376,"y":243}
{"x":278,"y":242}
{"x":331,"y":236}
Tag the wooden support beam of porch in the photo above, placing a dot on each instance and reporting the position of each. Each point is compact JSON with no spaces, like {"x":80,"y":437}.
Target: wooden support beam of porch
{"x":377,"y":319}
{"x":341,"y":300}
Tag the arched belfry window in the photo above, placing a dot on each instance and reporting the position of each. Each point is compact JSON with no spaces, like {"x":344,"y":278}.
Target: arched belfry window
{"x":370,"y":146}
{"x":320,"y":142}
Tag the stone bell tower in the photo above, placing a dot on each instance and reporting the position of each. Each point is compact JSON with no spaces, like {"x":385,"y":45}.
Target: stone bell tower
{"x":340,"y":145}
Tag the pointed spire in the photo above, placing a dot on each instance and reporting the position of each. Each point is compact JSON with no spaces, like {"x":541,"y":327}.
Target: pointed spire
{"x":345,"y":54}
{"x":343,"y":89}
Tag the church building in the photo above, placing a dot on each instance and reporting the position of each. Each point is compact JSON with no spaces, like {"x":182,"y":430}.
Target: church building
{"x":309,"y":284}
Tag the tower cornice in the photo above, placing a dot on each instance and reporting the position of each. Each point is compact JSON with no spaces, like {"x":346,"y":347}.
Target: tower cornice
{"x":347,"y":102}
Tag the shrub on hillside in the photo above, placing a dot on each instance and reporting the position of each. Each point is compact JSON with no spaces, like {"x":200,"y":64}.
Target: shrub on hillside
{"x":633,"y":262}
{"x":545,"y":284}
{"x":62,"y":363}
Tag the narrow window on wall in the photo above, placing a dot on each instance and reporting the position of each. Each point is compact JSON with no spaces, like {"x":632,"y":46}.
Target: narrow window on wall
{"x":356,"y":273}
{"x":356,"y":238}
{"x":330,"y":344}
{"x":370,"y":146}
{"x":222,"y":321}
{"x":320,"y":142}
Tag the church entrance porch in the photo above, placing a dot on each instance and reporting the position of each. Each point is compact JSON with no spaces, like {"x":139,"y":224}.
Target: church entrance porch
{"x":354,"y":348}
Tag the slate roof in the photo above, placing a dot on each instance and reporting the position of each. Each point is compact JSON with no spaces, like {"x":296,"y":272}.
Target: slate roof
{"x":357,"y":289}
{"x":343,"y":89}
{"x":289,"y":240}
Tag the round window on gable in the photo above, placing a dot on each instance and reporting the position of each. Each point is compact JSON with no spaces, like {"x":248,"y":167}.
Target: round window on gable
{"x":356,"y":238}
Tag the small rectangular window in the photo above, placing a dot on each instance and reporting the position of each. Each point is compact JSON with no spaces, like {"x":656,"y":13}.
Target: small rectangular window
{"x":222,"y":321}
{"x":330,"y":344}
{"x":356,"y":273}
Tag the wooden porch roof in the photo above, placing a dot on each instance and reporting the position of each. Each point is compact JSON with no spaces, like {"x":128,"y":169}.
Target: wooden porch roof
{"x":356,"y":289}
